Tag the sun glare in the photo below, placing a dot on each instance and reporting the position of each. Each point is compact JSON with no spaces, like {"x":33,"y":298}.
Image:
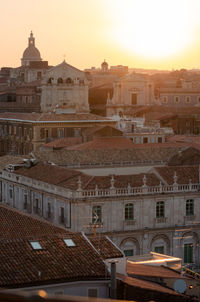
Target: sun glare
{"x":156,"y":28}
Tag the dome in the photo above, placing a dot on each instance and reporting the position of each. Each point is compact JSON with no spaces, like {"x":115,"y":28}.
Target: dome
{"x":31,"y":53}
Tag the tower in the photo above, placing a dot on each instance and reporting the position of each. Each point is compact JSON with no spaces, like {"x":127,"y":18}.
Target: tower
{"x":31,"y":53}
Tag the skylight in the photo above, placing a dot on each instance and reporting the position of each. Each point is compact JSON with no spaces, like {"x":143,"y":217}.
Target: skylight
{"x":36,"y":245}
{"x":69,"y":242}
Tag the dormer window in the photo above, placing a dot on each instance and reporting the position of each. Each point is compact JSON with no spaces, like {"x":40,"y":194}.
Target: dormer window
{"x":36,"y":245}
{"x":69,"y":242}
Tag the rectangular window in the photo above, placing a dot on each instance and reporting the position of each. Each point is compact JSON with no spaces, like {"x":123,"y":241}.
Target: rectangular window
{"x":145,"y":140}
{"x":159,"y":249}
{"x":49,"y":210}
{"x":36,"y":205}
{"x":129,"y":211}
{"x":62,"y":215}
{"x":25,"y":201}
{"x":96,"y":214}
{"x":134,"y":98}
{"x":188,"y":253}
{"x":160,"y":209}
{"x":189,"y":207}
{"x":128,"y":253}
{"x":10,"y":193}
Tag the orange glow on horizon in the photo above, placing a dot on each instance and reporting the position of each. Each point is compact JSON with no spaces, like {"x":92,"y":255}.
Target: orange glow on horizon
{"x":138,"y":33}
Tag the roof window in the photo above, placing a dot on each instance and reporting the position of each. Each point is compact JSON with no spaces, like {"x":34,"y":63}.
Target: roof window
{"x":36,"y":245}
{"x":69,"y":242}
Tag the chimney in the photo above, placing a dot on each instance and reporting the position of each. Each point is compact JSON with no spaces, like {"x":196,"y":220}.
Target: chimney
{"x":113,"y":289}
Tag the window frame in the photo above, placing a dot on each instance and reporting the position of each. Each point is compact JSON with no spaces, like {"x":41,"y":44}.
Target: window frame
{"x":96,"y":214}
{"x":188,"y":252}
{"x":160,"y":209}
{"x":129,"y":212}
{"x":189,"y":207}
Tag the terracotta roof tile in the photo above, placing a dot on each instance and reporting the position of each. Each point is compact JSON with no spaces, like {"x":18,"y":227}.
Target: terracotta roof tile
{"x":14,"y":224}
{"x":146,"y":285}
{"x":52,"y":117}
{"x":54,"y":263}
{"x":64,"y":142}
{"x":104,"y":246}
{"x":48,"y":173}
{"x":135,"y":270}
{"x":105,"y":143}
{"x":184,"y":174}
{"x":21,"y":265}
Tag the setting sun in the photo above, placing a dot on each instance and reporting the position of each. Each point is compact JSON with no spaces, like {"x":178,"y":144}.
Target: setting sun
{"x":155,"y":28}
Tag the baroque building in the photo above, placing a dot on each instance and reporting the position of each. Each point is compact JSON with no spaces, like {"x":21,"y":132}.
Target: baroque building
{"x":155,"y":211}
{"x":130,"y":91}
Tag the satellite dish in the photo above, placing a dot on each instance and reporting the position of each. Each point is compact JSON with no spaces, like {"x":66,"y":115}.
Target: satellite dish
{"x":180,"y":286}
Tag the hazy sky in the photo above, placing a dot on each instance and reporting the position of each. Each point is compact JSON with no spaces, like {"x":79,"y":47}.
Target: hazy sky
{"x":163,"y":34}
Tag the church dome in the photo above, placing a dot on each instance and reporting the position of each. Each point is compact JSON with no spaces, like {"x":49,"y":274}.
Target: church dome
{"x":31,"y":53}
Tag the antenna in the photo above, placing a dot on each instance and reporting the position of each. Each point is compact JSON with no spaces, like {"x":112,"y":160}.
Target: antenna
{"x":96,"y":223}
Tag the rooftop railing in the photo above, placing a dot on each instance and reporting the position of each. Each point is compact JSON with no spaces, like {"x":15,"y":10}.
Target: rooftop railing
{"x":134,"y":191}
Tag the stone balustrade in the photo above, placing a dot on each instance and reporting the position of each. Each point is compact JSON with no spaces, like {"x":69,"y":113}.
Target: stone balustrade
{"x":143,"y":190}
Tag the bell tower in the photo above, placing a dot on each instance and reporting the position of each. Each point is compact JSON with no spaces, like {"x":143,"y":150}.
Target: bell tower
{"x":31,"y":40}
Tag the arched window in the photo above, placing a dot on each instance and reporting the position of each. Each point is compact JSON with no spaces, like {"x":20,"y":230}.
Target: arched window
{"x":189,"y":207}
{"x":129,"y":211}
{"x":96,"y":214}
{"x":69,"y":81}
{"x":60,"y":81}
{"x":50,"y":80}
{"x":160,"y":209}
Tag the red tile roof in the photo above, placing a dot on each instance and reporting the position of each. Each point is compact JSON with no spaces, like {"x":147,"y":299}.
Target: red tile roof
{"x":14,"y":224}
{"x":21,"y":265}
{"x":104,"y":246}
{"x":68,"y":178}
{"x":184,"y":174}
{"x":35,"y":117}
{"x":64,"y":142}
{"x":137,"y":270}
{"x":48,"y":173}
{"x":105,"y":143}
{"x":146,"y":285}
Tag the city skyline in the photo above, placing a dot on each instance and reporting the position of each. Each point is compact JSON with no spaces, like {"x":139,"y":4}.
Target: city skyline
{"x":140,"y":34}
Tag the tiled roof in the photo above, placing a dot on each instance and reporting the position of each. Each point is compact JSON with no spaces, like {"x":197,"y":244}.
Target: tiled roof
{"x":48,"y":173}
{"x":64,"y":142}
{"x":121,"y":181}
{"x":135,"y":270}
{"x":68,"y":178}
{"x":39,"y":117}
{"x":146,"y":285}
{"x":184,"y":174}
{"x":105,"y":143}
{"x":104,"y":246}
{"x":14,"y":224}
{"x":21,"y":265}
{"x":9,"y":159}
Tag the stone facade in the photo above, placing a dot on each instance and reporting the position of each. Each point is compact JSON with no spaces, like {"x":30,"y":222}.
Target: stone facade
{"x":130,"y":91}
{"x":162,"y":218}
{"x":21,"y":133}
{"x":64,"y":85}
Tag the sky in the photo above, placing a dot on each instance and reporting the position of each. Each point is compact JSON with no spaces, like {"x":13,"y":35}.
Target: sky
{"x":152,"y":34}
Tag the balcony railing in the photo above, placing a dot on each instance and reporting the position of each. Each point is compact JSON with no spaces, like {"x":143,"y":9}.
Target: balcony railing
{"x":143,"y":190}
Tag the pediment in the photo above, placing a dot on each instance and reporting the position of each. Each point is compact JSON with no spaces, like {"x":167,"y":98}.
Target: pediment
{"x":64,"y":70}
